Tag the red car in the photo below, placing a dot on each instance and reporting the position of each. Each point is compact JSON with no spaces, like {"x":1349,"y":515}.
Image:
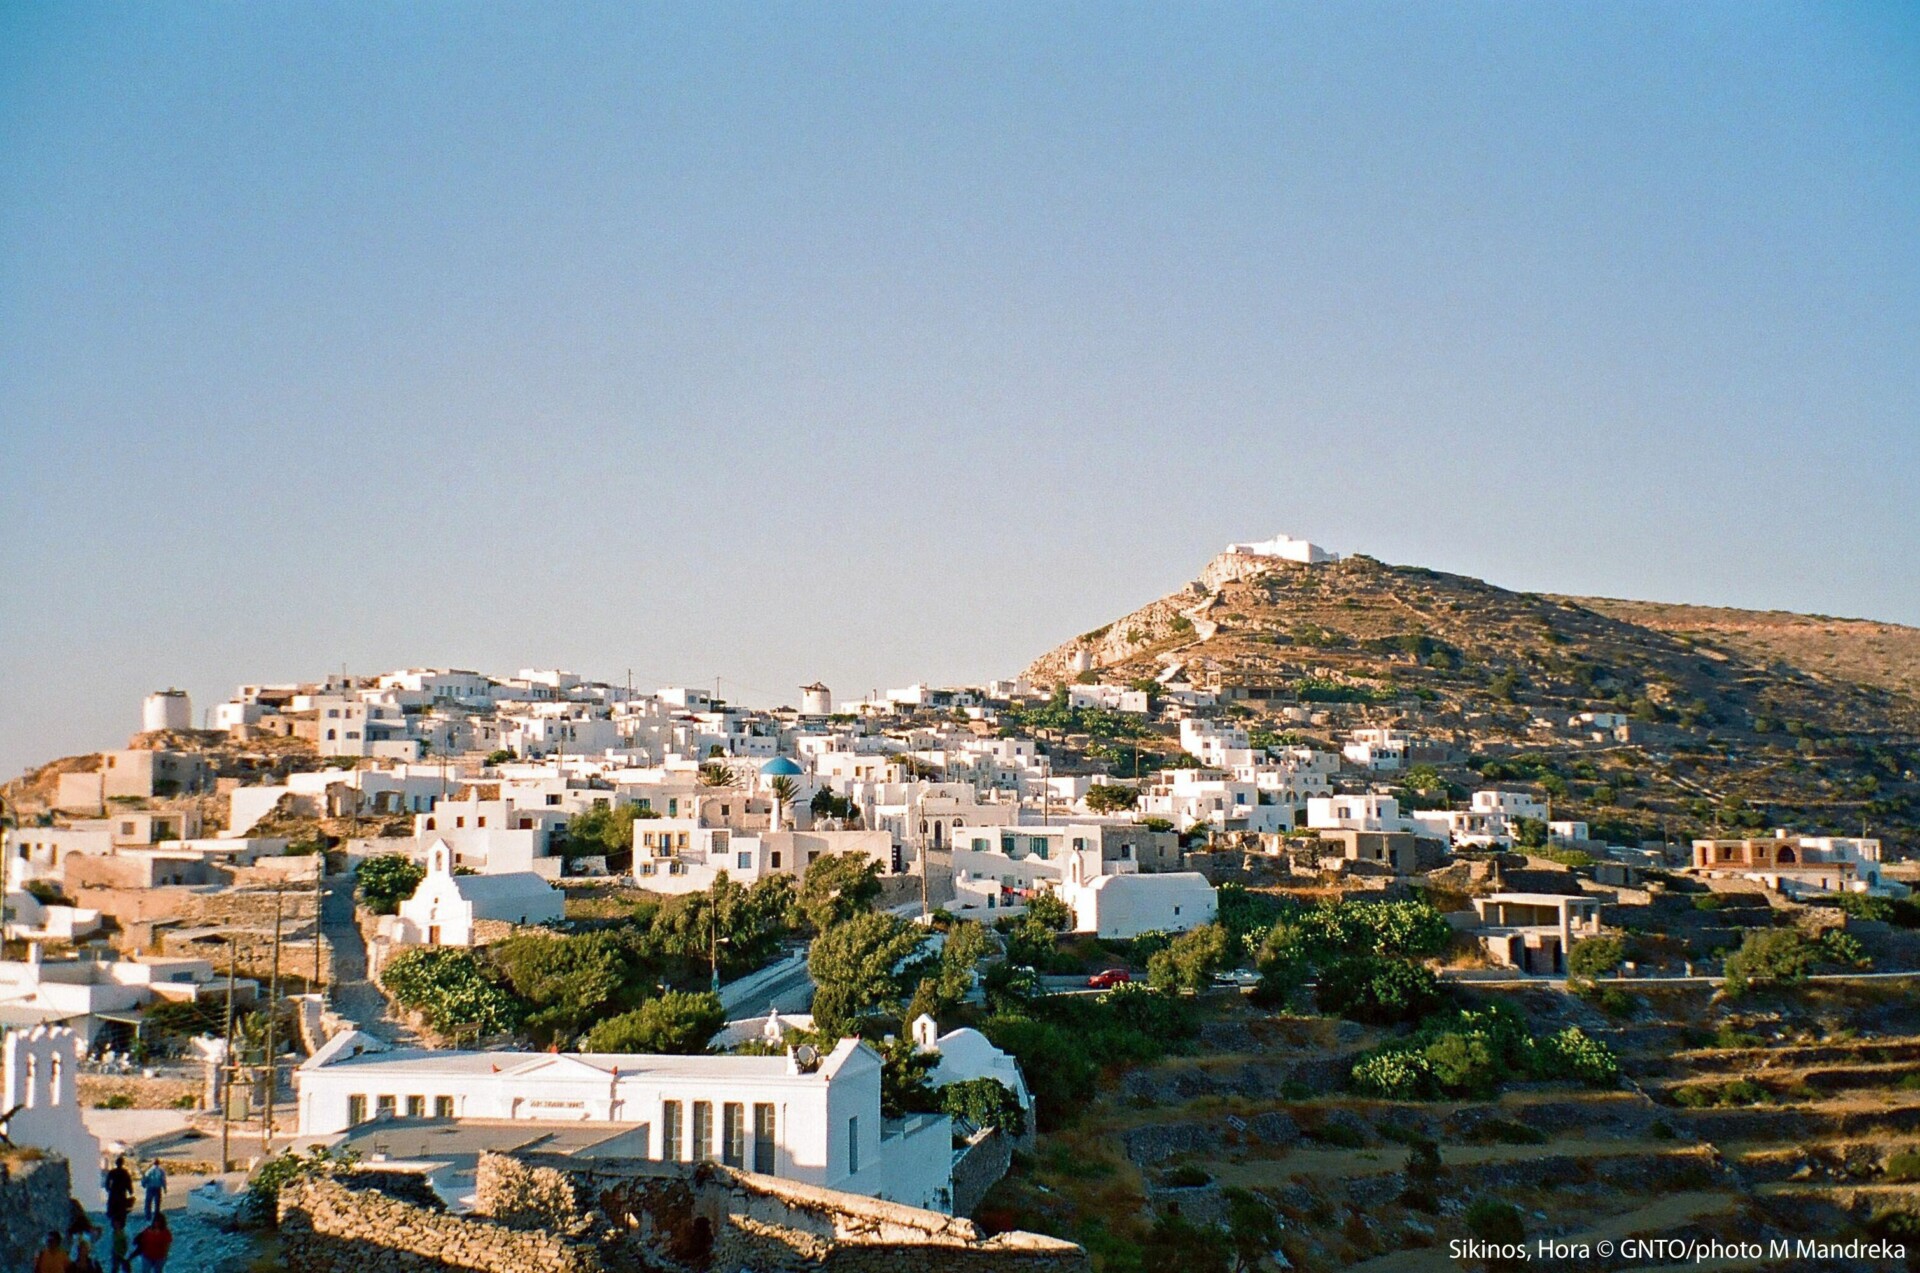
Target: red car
{"x":1109,"y":979}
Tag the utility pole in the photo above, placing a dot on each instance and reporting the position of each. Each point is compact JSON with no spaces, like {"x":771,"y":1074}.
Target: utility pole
{"x":319,"y":904}
{"x":273,"y":1001}
{"x":228,"y":1068}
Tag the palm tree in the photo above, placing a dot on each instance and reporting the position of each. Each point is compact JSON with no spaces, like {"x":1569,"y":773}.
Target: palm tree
{"x":784,"y":789}
{"x":715,"y":774}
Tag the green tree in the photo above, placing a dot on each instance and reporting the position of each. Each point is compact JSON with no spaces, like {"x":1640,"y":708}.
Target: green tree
{"x":838,"y":886}
{"x":602,"y":831}
{"x":742,"y":926}
{"x":905,"y":1072}
{"x":984,"y":1103}
{"x":853,"y":965}
{"x":1596,"y":956}
{"x":1190,"y":959}
{"x":1376,"y":990}
{"x":1110,"y":797}
{"x":677,"y":1023}
{"x":1768,"y":957}
{"x":387,"y":880}
{"x":715,"y":774}
{"x":448,"y":987}
{"x":1050,"y":911}
{"x":827,"y":803}
{"x":567,"y":983}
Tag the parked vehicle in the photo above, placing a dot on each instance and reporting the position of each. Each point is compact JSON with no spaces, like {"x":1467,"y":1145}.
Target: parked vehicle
{"x":1109,"y":979}
{"x":1241,"y":977}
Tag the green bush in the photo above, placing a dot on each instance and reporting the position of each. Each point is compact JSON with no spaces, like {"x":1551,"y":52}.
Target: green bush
{"x":387,"y":880}
{"x":1190,"y":959}
{"x":1378,"y":991}
{"x":1596,"y":956}
{"x":1903,"y":1168}
{"x":1186,"y":1176}
{"x":449,"y":989}
{"x":1770,"y":956}
{"x":1470,"y":1053}
{"x":677,"y":1023}
{"x":1492,"y":1220}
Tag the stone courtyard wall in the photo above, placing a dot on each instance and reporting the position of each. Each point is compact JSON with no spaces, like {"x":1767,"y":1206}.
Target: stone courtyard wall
{"x":544,"y":1213}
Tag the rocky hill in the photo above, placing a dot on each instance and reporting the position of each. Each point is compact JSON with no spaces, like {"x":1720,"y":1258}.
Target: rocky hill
{"x":1812,"y":719}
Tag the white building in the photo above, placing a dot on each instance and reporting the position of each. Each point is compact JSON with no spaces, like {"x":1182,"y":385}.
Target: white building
{"x":815,"y":1120}
{"x":1125,"y":906}
{"x":1377,"y":750}
{"x":1368,"y":811}
{"x":42,"y":1071}
{"x":445,"y":907}
{"x":1285,"y":548}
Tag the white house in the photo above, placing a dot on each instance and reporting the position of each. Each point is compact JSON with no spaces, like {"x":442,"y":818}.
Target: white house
{"x":444,"y":909}
{"x":1124,"y":906}
{"x":1377,"y":750}
{"x":1370,"y":811}
{"x":967,"y":1054}
{"x":800,"y":1116}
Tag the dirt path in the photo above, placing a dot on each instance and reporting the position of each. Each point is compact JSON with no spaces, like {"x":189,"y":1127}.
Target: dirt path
{"x":353,"y":995}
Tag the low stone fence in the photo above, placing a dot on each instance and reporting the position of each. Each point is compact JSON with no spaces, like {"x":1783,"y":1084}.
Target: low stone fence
{"x":328,"y":1227}
{"x":544,"y":1213}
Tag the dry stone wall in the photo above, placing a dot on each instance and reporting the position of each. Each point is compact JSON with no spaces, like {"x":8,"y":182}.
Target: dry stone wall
{"x":327,"y":1227}
{"x":540,"y":1213}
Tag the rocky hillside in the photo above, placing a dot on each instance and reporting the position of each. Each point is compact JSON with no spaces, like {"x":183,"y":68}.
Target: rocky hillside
{"x":1815,"y":717}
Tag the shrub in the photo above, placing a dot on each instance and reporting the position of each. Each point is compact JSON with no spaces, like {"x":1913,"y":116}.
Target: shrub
{"x":1492,"y":1220}
{"x":1596,"y":956}
{"x":447,"y":987}
{"x":1377,"y":990}
{"x":1772,"y":956}
{"x":1186,"y":1176}
{"x":281,"y":1170}
{"x":677,"y":1023}
{"x":1573,"y":1054}
{"x":1189,"y":959}
{"x":1903,"y":1168}
{"x":387,"y":880}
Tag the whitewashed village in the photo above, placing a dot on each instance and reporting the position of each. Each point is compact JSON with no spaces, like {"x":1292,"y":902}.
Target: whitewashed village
{"x":1100,"y":966}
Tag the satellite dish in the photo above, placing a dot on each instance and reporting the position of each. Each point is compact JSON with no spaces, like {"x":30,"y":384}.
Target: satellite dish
{"x":806,"y":1056}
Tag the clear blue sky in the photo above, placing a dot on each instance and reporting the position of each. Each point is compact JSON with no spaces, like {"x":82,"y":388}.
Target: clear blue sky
{"x":881,"y":343}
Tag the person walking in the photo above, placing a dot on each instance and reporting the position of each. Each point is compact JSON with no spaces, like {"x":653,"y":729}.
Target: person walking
{"x":119,"y":1251}
{"x":154,"y":1182}
{"x":119,"y":1193}
{"x":52,"y":1257}
{"x":153,"y":1244}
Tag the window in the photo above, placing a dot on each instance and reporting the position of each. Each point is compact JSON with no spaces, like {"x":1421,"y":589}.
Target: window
{"x":443,"y":1107}
{"x":743,"y":860}
{"x":416,"y":1107}
{"x":763,"y":1145}
{"x":703,"y":1131}
{"x":356,"y":1110}
{"x":774,"y":859}
{"x":733,"y":1122}
{"x":853,"y":1144}
{"x":383,"y":1107}
{"x":670,"y":1132}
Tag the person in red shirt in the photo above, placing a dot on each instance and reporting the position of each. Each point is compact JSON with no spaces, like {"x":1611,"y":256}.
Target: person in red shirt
{"x":153,"y":1243}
